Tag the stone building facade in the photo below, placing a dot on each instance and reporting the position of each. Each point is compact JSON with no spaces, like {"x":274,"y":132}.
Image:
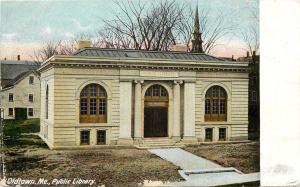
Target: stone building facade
{"x":102,"y":97}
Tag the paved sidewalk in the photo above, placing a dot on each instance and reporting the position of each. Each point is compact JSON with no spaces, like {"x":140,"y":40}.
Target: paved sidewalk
{"x":198,"y":171}
{"x":184,"y":159}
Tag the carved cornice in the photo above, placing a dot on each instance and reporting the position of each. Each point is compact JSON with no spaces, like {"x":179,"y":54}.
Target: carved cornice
{"x":218,"y":66}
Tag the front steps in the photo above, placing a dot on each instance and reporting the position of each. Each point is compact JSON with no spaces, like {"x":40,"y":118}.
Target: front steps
{"x":152,"y":143}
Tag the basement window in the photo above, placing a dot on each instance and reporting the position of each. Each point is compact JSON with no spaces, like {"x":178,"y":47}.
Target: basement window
{"x":208,"y":134}
{"x":101,"y":137}
{"x":84,"y":137}
{"x":222,"y":134}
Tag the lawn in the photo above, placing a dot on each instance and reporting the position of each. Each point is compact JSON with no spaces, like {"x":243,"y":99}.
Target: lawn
{"x":27,"y":157}
{"x":22,"y":134}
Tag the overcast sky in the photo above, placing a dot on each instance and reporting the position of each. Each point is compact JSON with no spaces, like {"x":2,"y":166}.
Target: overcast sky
{"x":25,"y":25}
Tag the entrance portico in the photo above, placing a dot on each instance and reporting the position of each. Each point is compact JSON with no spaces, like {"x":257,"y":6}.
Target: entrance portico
{"x":157,"y":110}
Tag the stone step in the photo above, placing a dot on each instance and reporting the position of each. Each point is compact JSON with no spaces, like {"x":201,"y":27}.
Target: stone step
{"x":157,"y":143}
{"x":157,"y":146}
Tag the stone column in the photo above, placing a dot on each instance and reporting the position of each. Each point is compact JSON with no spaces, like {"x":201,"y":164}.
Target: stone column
{"x":189,"y":112}
{"x":176,"y":114}
{"x":125,"y":112}
{"x":138,"y":110}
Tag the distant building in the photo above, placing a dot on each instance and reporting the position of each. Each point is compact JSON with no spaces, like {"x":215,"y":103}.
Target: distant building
{"x":254,"y":99}
{"x":9,"y":69}
{"x":19,"y":88}
{"x":21,"y":94}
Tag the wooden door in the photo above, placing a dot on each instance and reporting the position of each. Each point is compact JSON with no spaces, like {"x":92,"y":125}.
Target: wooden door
{"x":156,"y":122}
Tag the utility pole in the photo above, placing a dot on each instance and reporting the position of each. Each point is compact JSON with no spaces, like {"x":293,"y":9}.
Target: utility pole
{"x":2,"y":166}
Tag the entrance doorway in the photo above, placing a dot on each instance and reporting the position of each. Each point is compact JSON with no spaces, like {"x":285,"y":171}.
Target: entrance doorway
{"x":156,"y":122}
{"x":156,"y":112}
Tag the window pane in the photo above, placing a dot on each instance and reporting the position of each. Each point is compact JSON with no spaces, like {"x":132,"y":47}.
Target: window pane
{"x":10,"y":111}
{"x":85,"y":137}
{"x":102,"y":106}
{"x":163,"y":92}
{"x":101,"y":137}
{"x":208,"y":134}
{"x":207,"y":106}
{"x":30,"y":111}
{"x":11,"y":97}
{"x":148,"y":92}
{"x":215,"y":92}
{"x":222,"y":93}
{"x":93,"y":90}
{"x":102,"y":92}
{"x":47,"y":102}
{"x":83,"y":106}
{"x":214,"y":106}
{"x":30,"y":98}
{"x":84,"y":92}
{"x":222,"y":133}
{"x":222,"y":106}
{"x":93,"y":105}
{"x":31,"y":80}
{"x":155,"y":90}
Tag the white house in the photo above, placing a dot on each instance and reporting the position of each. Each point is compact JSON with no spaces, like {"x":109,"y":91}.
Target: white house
{"x":22,"y":92}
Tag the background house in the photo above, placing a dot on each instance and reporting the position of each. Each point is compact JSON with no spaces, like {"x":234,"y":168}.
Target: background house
{"x":9,"y":69}
{"x":20,"y":89}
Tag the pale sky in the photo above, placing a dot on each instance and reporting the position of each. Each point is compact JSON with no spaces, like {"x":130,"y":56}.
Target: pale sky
{"x":25,"y":25}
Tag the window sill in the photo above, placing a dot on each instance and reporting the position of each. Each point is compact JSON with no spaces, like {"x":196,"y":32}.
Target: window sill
{"x":215,"y":123}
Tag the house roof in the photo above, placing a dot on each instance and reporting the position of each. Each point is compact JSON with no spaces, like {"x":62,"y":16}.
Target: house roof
{"x":122,"y":53}
{"x":9,"y":69}
{"x":19,"y":77}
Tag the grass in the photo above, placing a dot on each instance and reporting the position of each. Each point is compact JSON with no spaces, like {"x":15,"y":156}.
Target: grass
{"x":243,"y":156}
{"x":20,"y":134}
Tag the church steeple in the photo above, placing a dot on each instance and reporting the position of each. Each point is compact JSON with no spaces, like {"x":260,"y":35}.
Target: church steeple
{"x":196,"y":35}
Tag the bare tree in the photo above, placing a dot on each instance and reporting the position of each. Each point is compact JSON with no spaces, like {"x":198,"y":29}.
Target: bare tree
{"x":143,"y":27}
{"x":51,"y":47}
{"x":159,"y":26}
{"x":250,"y":37}
{"x":250,"y":34}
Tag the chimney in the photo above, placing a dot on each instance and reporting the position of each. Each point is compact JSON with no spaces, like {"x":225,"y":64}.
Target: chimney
{"x":254,"y":53}
{"x":247,"y":54}
{"x":84,"y":44}
{"x":232,"y":58}
{"x":4,"y":58}
{"x":19,"y":57}
{"x":180,"y":47}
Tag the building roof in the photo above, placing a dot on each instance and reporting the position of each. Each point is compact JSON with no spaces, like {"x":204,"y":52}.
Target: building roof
{"x":18,"y":62}
{"x":9,"y":69}
{"x":19,"y":77}
{"x":122,"y":53}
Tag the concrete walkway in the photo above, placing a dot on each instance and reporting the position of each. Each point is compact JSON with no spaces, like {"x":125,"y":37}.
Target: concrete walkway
{"x":185,"y":160}
{"x":198,"y":171}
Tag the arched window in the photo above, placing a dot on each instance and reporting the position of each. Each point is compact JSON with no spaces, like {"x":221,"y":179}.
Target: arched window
{"x":93,"y":104}
{"x":156,"y":92}
{"x":215,"y":104}
{"x":47,"y":102}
